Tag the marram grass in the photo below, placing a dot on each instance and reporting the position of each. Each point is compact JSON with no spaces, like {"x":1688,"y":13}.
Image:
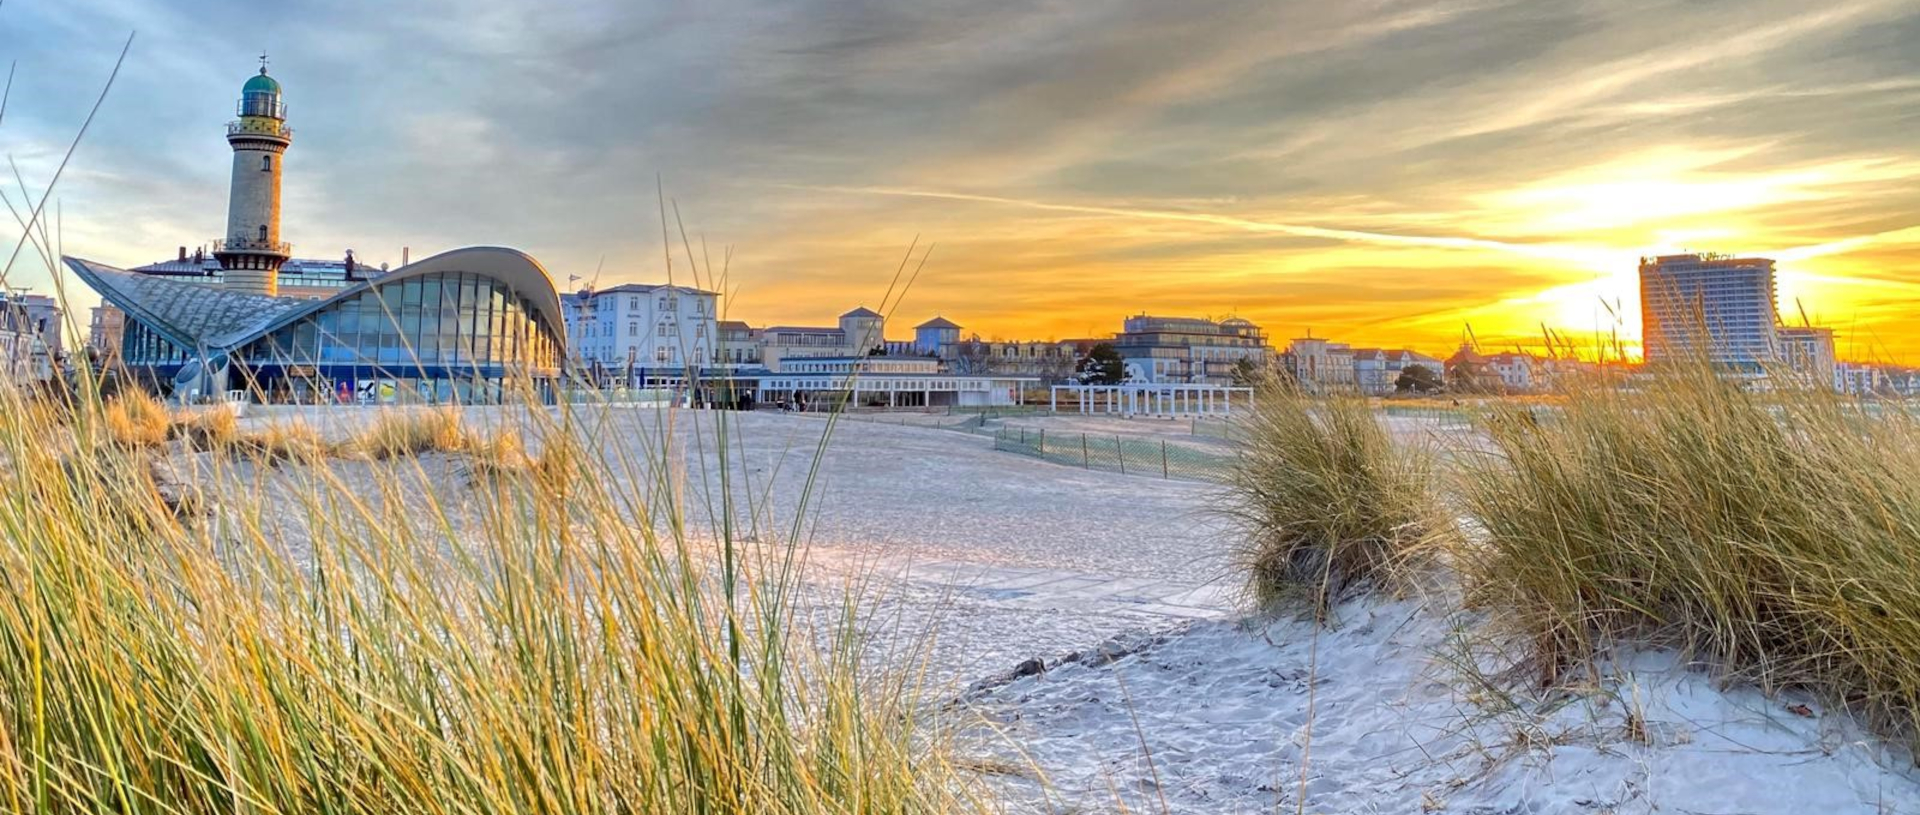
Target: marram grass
{"x":1773,"y":534}
{"x":1323,"y":499}
{"x":350,"y":641}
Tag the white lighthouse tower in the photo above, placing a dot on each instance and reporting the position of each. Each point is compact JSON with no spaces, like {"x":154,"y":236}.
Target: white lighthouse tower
{"x":251,"y":254}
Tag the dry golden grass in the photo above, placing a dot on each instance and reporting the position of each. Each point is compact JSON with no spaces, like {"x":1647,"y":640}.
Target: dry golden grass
{"x":412,"y":432}
{"x":282,"y":442}
{"x":209,"y":428}
{"x":1770,"y":534}
{"x":554,"y":640}
{"x":136,"y":419}
{"x":1324,"y":499}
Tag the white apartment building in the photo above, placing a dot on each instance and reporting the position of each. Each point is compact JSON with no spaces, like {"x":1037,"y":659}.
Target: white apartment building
{"x":1516,"y":370}
{"x":641,"y":331}
{"x":1320,"y":365}
{"x":1188,"y":350}
{"x":1808,"y":354}
{"x":1719,"y":304}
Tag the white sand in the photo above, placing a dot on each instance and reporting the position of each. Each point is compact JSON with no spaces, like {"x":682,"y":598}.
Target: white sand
{"x":981,"y":560}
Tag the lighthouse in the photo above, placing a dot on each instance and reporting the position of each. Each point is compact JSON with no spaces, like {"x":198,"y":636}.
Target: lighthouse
{"x":251,"y":254}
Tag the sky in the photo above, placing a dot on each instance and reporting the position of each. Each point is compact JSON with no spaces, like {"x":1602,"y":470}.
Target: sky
{"x":1385,"y":173}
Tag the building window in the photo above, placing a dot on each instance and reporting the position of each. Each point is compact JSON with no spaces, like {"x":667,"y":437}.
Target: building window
{"x":633,"y":329}
{"x":266,"y":164}
{"x":663,"y":329}
{"x":263,"y":232}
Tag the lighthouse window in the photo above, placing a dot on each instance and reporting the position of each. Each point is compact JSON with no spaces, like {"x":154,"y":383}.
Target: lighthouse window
{"x":263,"y":232}
{"x":266,"y":164}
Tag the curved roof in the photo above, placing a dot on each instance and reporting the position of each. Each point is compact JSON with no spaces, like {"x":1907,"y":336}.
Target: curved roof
{"x":199,"y":316}
{"x":261,"y":83}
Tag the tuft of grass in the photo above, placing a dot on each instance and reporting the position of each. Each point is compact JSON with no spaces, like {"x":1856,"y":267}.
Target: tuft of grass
{"x":1324,"y":499}
{"x":282,"y":442}
{"x":412,"y":432}
{"x":210,"y":428}
{"x":1769,"y":533}
{"x":135,"y":419}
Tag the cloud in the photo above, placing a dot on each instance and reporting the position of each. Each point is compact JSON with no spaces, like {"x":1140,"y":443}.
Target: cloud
{"x":1393,"y":168}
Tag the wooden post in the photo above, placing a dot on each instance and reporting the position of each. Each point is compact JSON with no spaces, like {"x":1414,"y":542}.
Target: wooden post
{"x":1121,"y":454}
{"x":1163,"y":459}
{"x":1086,"y":461}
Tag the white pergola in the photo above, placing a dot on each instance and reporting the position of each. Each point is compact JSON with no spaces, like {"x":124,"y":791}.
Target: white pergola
{"x":1151,"y":400}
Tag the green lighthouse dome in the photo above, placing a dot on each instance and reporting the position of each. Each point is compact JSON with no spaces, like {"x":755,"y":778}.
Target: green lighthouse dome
{"x":261,"y":83}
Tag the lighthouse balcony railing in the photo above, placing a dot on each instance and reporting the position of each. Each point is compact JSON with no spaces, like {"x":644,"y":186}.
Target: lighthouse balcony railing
{"x":259,"y":127}
{"x":252,"y":245}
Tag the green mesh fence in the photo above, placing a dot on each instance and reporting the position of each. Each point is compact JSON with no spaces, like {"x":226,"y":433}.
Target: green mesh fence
{"x":1118,"y":454}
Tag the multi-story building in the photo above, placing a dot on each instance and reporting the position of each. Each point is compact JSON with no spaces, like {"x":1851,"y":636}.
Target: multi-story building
{"x":1189,"y":350}
{"x":1515,"y":369}
{"x":1858,"y":379}
{"x":739,"y":345}
{"x":30,"y":337}
{"x":640,"y":332}
{"x":105,"y":329}
{"x":859,"y":333}
{"x":1320,"y":365}
{"x":1717,"y":305}
{"x":1376,"y":370}
{"x":930,"y":336}
{"x":1807,"y":352}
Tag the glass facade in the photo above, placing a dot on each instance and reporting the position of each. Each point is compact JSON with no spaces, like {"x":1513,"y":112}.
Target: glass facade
{"x":433,"y":337}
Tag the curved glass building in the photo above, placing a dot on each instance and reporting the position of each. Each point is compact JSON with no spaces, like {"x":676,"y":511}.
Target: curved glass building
{"x":472,"y":325}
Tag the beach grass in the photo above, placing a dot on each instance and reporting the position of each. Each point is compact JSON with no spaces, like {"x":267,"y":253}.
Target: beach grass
{"x":1323,"y":499}
{"x":1768,"y":532}
{"x":554,"y":639}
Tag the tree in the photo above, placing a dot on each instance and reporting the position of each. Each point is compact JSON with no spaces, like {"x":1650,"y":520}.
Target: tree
{"x":1418,"y":379}
{"x":1101,"y":366}
{"x":972,"y":356}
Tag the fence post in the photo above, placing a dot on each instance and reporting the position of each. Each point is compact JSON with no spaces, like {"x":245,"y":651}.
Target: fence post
{"x":1163,"y":459}
{"x":1120,"y":453}
{"x":1043,"y":442}
{"x":1086,"y":462}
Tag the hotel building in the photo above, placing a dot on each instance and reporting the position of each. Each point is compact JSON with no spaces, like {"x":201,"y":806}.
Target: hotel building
{"x":1718,"y":305}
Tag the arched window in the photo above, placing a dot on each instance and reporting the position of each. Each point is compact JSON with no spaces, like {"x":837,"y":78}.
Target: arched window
{"x":263,"y":232}
{"x":266,"y":163}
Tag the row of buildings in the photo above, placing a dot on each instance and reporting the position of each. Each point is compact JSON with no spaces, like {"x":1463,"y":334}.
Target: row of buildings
{"x":243,"y":313}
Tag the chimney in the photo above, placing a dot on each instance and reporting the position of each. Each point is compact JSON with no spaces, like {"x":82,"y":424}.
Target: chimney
{"x":405,"y":252}
{"x":183,"y":254}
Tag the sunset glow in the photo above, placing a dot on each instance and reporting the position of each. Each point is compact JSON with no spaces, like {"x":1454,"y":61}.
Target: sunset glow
{"x":1392,"y":175}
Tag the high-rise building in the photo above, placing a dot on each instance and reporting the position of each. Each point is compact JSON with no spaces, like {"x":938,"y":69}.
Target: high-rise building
{"x":1717,"y":305}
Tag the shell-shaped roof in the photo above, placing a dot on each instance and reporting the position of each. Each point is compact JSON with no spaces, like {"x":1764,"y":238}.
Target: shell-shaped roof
{"x":210,"y":318}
